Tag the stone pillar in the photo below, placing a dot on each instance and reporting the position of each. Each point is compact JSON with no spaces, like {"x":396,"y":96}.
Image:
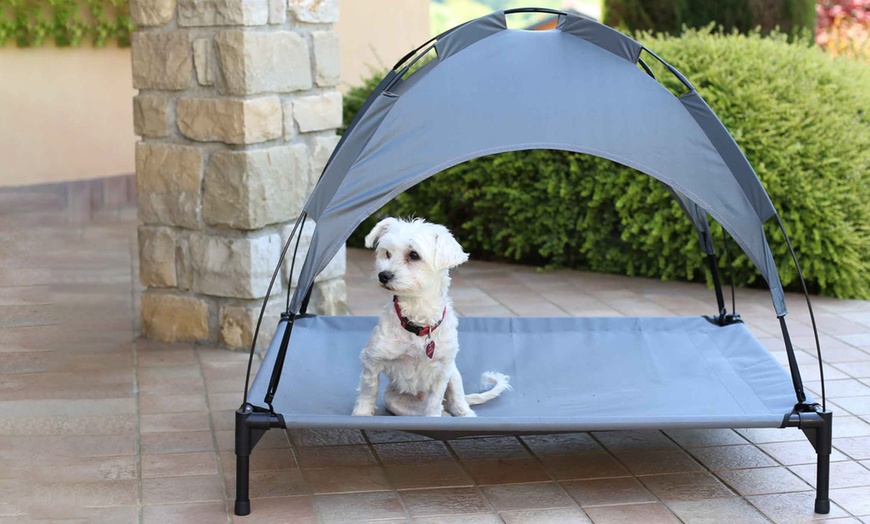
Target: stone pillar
{"x":237,"y":110}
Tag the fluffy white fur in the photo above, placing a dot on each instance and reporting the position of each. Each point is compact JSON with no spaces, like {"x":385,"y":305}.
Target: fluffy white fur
{"x":417,"y":256}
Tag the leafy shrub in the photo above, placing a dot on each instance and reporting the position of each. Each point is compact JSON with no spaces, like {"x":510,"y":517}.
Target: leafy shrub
{"x":801,"y":117}
{"x":68,"y":22}
{"x":669,"y":16}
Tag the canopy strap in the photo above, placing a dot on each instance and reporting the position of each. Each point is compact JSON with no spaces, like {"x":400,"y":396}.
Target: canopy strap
{"x":278,"y":368}
{"x":717,"y":284}
{"x":792,"y":363}
{"x":730,"y":270}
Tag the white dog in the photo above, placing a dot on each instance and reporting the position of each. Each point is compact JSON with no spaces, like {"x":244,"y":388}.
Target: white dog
{"x":415,"y":342}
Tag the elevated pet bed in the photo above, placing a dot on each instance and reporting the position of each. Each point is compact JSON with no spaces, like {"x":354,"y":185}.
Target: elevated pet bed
{"x":582,"y":87}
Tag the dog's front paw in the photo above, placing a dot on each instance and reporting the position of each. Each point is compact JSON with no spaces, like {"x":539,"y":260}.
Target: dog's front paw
{"x":460,"y":412}
{"x":364,"y":410}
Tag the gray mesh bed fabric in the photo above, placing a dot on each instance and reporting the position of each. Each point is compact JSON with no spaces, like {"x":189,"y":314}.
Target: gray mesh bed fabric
{"x":569,"y":374}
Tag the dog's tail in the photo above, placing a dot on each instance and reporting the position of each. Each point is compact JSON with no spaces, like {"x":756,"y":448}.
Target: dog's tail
{"x":494,"y":384}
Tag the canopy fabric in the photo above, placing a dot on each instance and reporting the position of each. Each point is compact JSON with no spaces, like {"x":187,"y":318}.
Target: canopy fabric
{"x":568,"y":374}
{"x":576,"y":88}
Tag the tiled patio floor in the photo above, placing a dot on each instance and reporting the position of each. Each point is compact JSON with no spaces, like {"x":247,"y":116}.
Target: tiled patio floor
{"x":97,"y":425}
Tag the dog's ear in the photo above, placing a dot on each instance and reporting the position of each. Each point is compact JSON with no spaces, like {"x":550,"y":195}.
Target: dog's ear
{"x":448,"y":252}
{"x":378,"y":231}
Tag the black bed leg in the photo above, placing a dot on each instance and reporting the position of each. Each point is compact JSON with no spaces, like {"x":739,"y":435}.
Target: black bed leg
{"x":823,"y":463}
{"x":244,"y":443}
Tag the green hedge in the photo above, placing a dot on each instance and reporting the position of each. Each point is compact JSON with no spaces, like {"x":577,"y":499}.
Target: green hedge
{"x":670,"y":16}
{"x":802,"y":118}
{"x":31,"y":23}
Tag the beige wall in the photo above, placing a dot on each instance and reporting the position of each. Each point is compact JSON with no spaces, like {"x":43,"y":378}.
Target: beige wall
{"x":66,"y":114}
{"x":377,"y":33}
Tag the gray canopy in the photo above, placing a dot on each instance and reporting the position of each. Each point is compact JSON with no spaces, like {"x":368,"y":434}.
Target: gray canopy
{"x":576,"y":88}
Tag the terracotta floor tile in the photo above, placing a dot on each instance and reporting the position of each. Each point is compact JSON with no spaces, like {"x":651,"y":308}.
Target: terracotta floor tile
{"x":793,"y":508}
{"x":855,"y":369}
{"x":179,"y":464}
{"x":177,"y":442}
{"x":413,"y":452}
{"x":281,"y":510}
{"x":545,"y":516}
{"x":478,"y":518}
{"x":765,"y":435}
{"x":119,"y":514}
{"x":561,"y":444}
{"x":845,"y":427}
{"x":326,"y":437}
{"x":733,"y":457}
{"x":223,"y":420}
{"x":84,"y":469}
{"x":150,"y":353}
{"x":855,"y":405}
{"x":229,"y":385}
{"x":353,"y":507}
{"x":650,"y":513}
{"x":335,"y":456}
{"x":537,"y":495}
{"x":43,"y":495}
{"x":377,"y":437}
{"x":445,"y":501}
{"x":428,"y":475}
{"x":633,"y":440}
{"x":715,"y":511}
{"x":506,"y":470}
{"x":489,"y":448}
{"x":39,"y":449}
{"x":149,"y":404}
{"x":200,"y":513}
{"x":843,"y":474}
{"x":686,"y":486}
{"x":169,"y":490}
{"x":838,"y":389}
{"x":224,"y":401}
{"x":173,"y":422}
{"x":656,"y":461}
{"x":117,"y":425}
{"x":173,"y":386}
{"x":761,"y":481}
{"x":857,"y":448}
{"x":796,"y":452}
{"x":157,"y":373}
{"x":261,"y":459}
{"x":692,"y":438}
{"x":347,"y":479}
{"x":580,"y":466}
{"x":602,"y":492}
{"x":854,"y":500}
{"x":283,"y":483}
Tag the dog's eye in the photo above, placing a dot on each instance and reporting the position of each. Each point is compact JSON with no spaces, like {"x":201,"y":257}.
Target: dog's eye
{"x":413,"y":255}
{"x":387,"y":254}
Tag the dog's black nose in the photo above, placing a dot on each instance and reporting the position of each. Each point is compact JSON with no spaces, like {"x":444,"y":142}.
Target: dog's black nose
{"x":385,"y":276}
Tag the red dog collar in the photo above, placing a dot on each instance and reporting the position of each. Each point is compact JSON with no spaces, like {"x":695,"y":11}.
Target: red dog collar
{"x":420,"y":331}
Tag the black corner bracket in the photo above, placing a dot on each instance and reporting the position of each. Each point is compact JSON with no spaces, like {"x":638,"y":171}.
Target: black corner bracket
{"x":251,"y":425}
{"x":817,"y":424}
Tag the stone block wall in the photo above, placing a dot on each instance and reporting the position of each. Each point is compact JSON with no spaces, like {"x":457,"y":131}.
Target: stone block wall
{"x":237,"y":109}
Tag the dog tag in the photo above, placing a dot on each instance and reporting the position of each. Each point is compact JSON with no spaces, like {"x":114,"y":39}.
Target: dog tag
{"x":430,"y":349}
